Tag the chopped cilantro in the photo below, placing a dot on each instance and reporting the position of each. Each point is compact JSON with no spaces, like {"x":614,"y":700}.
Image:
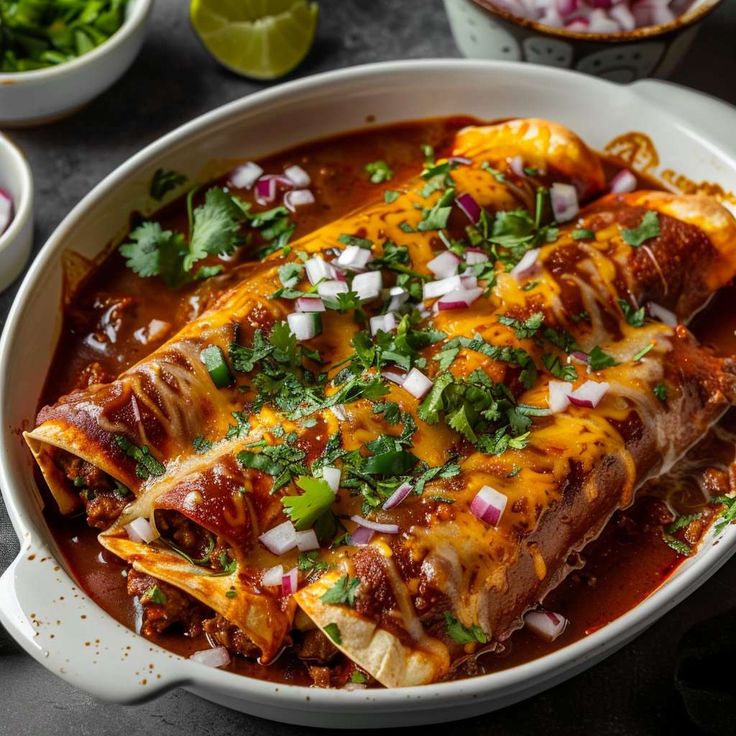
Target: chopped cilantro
{"x":682,"y":521}
{"x":598,"y":359}
{"x":728,"y":515}
{"x":499,"y":176}
{"x":379,"y":171}
{"x":680,"y":547}
{"x":390,"y":196}
{"x":564,"y":372}
{"x":647,"y":228}
{"x":281,"y":462}
{"x":635,"y":317}
{"x":358,"y":677}
{"x":146,"y":464}
{"x":582,"y":234}
{"x":305,"y":509}
{"x":354,"y":240}
{"x":462,"y":634}
{"x":165,"y":181}
{"x":231,"y":593}
{"x":309,"y":561}
{"x":523,"y":328}
{"x":201,"y":445}
{"x":436,"y":217}
{"x":342,"y":592}
{"x":154,"y":594}
{"x":639,"y":354}
{"x":660,"y":391}
{"x":333,"y":631}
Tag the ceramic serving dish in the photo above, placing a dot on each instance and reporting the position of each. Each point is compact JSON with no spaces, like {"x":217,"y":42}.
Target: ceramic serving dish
{"x":44,"y":95}
{"x":482,"y":30}
{"x":16,"y":239}
{"x":678,"y":133}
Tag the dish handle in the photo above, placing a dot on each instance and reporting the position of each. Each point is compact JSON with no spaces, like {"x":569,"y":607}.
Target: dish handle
{"x":707,"y":116}
{"x":58,"y":625}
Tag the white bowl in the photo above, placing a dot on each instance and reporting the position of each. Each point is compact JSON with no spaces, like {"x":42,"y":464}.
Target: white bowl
{"x":44,"y":95}
{"x":15,"y":241}
{"x":39,"y":603}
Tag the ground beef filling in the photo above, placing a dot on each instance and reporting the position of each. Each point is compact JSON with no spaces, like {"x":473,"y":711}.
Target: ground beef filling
{"x":164,"y":606}
{"x":103,"y":498}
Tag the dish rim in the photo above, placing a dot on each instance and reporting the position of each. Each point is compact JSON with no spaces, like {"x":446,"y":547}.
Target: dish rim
{"x":136,"y":14}
{"x":547,"y":668}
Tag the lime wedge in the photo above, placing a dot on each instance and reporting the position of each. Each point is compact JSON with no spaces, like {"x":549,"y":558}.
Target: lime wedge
{"x":263,"y":39}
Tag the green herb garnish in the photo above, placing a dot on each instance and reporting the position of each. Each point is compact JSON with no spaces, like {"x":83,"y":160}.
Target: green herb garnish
{"x":647,"y":229}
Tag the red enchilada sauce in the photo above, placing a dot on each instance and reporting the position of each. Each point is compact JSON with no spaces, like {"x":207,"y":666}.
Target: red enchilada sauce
{"x":117,"y":318}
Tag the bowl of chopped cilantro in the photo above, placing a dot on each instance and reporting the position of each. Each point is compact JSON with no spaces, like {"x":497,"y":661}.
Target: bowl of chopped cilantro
{"x":57,"y":55}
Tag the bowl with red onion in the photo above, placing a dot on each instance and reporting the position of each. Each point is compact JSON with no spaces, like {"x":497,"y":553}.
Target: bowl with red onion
{"x":16,"y":211}
{"x":620,"y":40}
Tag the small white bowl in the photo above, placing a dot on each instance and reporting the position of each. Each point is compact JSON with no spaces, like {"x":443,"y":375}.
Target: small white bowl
{"x":44,"y":95}
{"x":15,"y":241}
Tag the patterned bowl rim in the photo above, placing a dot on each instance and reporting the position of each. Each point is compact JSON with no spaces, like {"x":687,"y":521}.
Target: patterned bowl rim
{"x":688,"y":18}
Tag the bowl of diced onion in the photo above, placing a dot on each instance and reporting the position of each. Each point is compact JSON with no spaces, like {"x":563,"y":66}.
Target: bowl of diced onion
{"x":620,"y":40}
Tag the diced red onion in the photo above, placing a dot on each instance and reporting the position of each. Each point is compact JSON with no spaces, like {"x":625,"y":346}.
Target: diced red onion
{"x":517,"y":165}
{"x":384,"y":322}
{"x":559,"y":393}
{"x":625,"y":18}
{"x":307,"y":540}
{"x":375,"y":526}
{"x":444,"y":265}
{"x":417,"y":384}
{"x":601,"y":23}
{"x":290,"y":582}
{"x":460,"y":299}
{"x":474,"y":256}
{"x":265,"y":190}
{"x":304,"y":326}
{"x":297,"y":176}
{"x":394,"y":374}
{"x":310,"y":304}
{"x":362,"y":536}
{"x":273,"y":576}
{"x":354,"y":258}
{"x":216,"y":657}
{"x":329,"y":290}
{"x":298,"y":198}
{"x":579,"y":24}
{"x":566,"y":7}
{"x":245,"y":176}
{"x":471,"y":209}
{"x":564,"y":199}
{"x":332,"y":476}
{"x":662,"y":314}
{"x":398,"y":496}
{"x":433,"y":289}
{"x":527,"y":262}
{"x":318,"y":270}
{"x":368,"y":285}
{"x":399,"y":296}
{"x":624,"y":181}
{"x":580,"y":357}
{"x":488,"y":505}
{"x":140,"y":530}
{"x":339,"y":411}
{"x":546,"y":624}
{"x":589,"y":395}
{"x":279,"y":539}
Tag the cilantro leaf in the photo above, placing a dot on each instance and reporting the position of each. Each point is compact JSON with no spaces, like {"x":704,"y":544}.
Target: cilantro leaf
{"x":660,"y":391}
{"x":152,"y":251}
{"x":333,"y":632}
{"x":598,"y":359}
{"x":215,"y":229}
{"x":165,"y":181}
{"x":523,"y":328}
{"x":582,"y":234}
{"x":309,"y":561}
{"x":462,"y":634}
{"x":390,"y":196}
{"x":647,"y":228}
{"x":379,"y":171}
{"x":635,"y":317}
{"x":305,"y":509}
{"x":342,"y":592}
{"x":147,"y":465}
{"x":559,"y":370}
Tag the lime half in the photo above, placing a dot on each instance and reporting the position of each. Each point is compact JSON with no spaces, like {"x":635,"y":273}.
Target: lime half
{"x":263,"y":39}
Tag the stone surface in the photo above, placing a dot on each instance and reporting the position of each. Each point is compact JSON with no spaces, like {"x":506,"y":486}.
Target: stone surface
{"x":174,"y":80}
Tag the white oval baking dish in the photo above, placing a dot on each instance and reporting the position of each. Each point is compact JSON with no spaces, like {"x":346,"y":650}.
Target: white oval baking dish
{"x":40,"y":604}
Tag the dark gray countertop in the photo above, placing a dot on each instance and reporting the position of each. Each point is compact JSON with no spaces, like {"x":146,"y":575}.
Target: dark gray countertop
{"x":174,"y":80}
